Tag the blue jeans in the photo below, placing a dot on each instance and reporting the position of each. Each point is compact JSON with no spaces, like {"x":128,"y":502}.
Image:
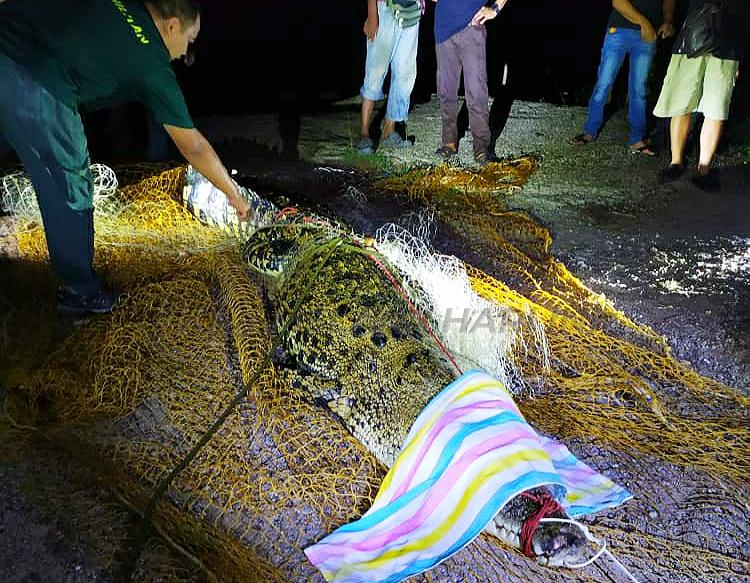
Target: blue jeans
{"x":393,"y":47}
{"x":49,"y":139}
{"x":618,"y":44}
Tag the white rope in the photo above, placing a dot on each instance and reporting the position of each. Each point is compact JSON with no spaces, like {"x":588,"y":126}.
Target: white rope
{"x":591,"y":538}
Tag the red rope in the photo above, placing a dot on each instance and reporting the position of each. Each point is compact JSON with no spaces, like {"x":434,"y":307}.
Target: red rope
{"x":414,"y":310}
{"x":547,"y":506}
{"x":293,"y":211}
{"x":289,"y":210}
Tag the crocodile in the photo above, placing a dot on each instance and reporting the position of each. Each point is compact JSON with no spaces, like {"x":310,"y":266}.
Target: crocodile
{"x":354,"y":346}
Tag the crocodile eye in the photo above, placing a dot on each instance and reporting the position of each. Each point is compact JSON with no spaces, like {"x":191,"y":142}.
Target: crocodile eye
{"x":358,"y":330}
{"x":379,"y":339}
{"x":411,"y":358}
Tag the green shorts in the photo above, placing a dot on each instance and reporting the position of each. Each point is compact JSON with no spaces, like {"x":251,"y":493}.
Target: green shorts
{"x":703,"y":84}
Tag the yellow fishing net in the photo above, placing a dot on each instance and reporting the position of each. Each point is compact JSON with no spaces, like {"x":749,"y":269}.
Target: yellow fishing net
{"x":131,"y":393}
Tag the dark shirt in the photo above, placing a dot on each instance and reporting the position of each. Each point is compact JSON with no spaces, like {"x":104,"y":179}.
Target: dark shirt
{"x":735,"y":30}
{"x":452,"y":16}
{"x":94,"y":53}
{"x":651,"y":9}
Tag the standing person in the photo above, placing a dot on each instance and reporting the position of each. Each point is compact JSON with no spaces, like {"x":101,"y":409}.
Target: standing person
{"x":502,"y":72}
{"x":57,"y":57}
{"x":632,"y":32}
{"x":460,"y":44}
{"x":703,"y":83}
{"x":392,"y":32}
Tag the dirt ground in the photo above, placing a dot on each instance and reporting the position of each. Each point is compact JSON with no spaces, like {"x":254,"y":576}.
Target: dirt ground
{"x":669,"y":256}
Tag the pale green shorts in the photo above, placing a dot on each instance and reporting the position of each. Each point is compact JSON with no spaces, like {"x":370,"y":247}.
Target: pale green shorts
{"x":703,"y":84}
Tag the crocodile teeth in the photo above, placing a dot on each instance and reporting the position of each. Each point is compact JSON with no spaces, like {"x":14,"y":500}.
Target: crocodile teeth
{"x":491,"y":528}
{"x":542,"y":560}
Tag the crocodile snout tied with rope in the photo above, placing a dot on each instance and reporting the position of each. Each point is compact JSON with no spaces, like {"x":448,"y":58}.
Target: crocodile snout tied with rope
{"x":357,"y":346}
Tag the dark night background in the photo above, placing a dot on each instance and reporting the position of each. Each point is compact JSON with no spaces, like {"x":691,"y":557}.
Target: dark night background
{"x":300,"y":57}
{"x":312,"y":53}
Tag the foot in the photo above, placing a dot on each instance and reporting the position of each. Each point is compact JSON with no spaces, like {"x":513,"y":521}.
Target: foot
{"x":395,"y":141}
{"x":484,"y":158}
{"x":707,"y":179}
{"x":672,"y":172}
{"x":365,"y":146}
{"x":644,"y":148}
{"x":74,"y":304}
{"x":446,"y":152}
{"x":581,"y":139}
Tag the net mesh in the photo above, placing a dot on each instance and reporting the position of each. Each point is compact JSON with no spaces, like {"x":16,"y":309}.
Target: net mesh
{"x":130,"y":393}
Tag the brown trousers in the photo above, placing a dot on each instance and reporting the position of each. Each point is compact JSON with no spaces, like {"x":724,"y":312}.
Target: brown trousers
{"x":464,"y":51}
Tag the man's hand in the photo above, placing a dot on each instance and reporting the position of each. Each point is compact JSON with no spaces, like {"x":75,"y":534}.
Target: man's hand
{"x":244,"y":211}
{"x":666,"y":30}
{"x":648,"y":32}
{"x":486,"y":13}
{"x":198,"y":152}
{"x":371,"y":27}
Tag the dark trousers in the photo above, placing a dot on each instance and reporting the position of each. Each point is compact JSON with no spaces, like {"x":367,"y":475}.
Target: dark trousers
{"x":500,"y":109}
{"x":48,"y":138}
{"x":464,"y":51}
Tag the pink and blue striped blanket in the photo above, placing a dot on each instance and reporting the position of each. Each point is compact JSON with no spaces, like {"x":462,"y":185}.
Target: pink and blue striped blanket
{"x":468,"y":453}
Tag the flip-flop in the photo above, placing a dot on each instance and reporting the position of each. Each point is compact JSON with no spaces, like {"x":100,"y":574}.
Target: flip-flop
{"x":446,"y":152}
{"x":581,"y":139}
{"x":645,"y":150}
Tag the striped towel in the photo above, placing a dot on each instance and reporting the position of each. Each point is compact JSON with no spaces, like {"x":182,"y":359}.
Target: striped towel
{"x":468,"y":453}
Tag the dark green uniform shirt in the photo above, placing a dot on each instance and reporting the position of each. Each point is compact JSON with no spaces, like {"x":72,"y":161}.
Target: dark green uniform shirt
{"x":94,"y":53}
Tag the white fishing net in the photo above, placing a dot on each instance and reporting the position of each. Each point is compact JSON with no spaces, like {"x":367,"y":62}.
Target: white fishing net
{"x":17,"y":194}
{"x":478,"y":333}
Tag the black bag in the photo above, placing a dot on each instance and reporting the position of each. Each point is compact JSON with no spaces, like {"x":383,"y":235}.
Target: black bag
{"x":701,"y":33}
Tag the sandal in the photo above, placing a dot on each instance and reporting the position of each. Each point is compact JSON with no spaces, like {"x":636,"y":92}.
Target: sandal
{"x":365,"y":146}
{"x":446,"y":152}
{"x":645,"y":149}
{"x":484,"y":158}
{"x":581,"y":139}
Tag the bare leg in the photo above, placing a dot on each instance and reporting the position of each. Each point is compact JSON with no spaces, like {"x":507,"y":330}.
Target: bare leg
{"x":368,"y":108}
{"x":388,"y":127}
{"x":709,"y":140}
{"x":678,"y":131}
